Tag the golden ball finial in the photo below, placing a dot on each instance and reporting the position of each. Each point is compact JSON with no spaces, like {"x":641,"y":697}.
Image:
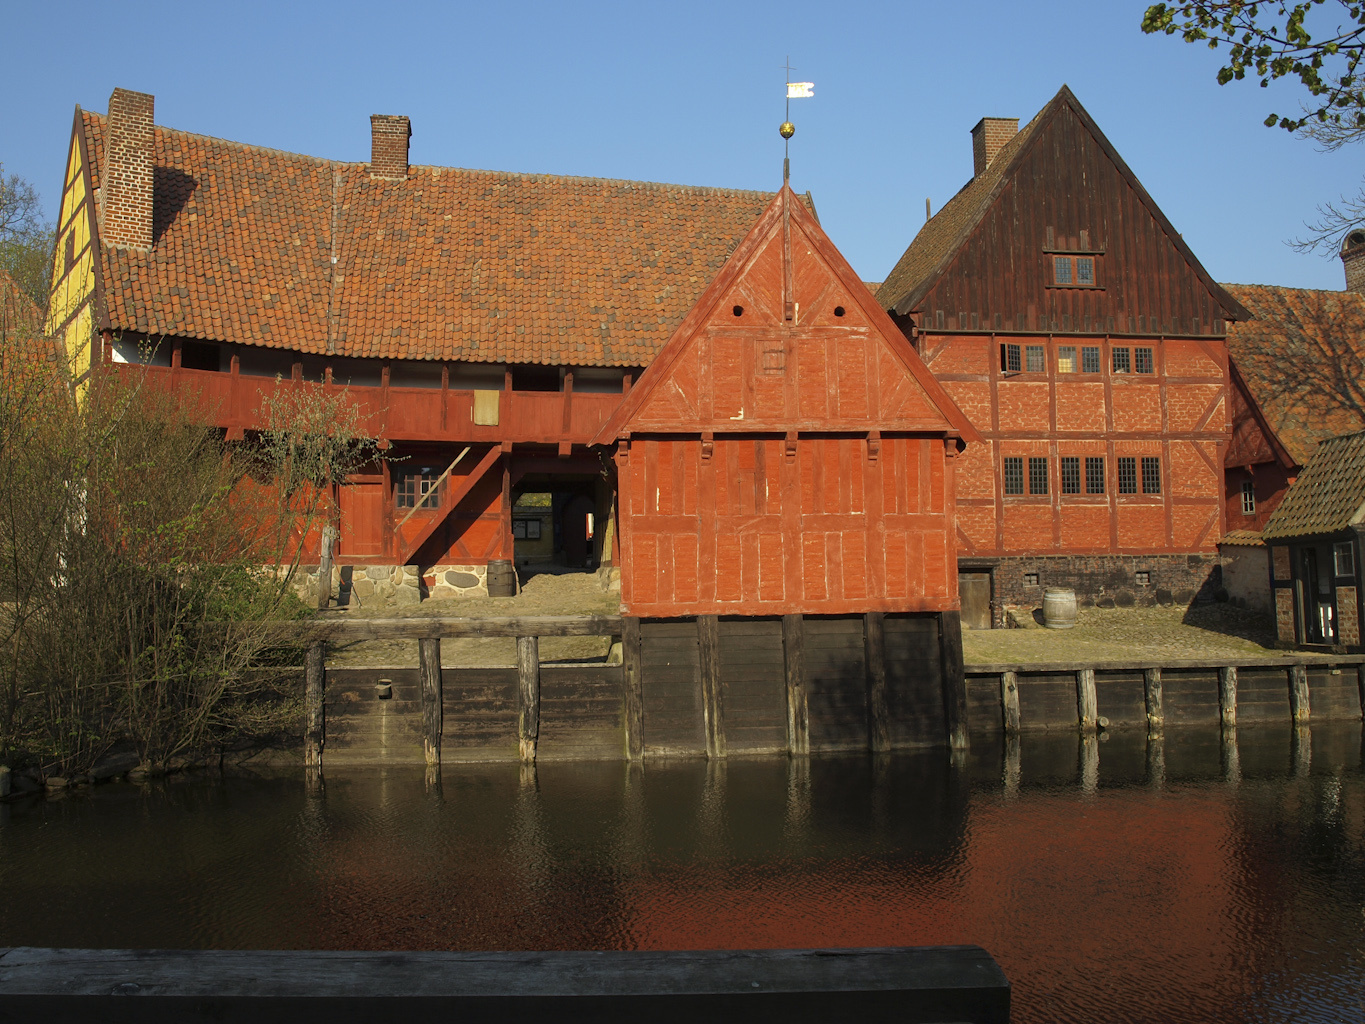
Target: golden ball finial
{"x":788,"y":129}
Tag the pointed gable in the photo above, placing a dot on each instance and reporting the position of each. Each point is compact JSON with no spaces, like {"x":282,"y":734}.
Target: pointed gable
{"x":1059,"y":186}
{"x":738,"y":363}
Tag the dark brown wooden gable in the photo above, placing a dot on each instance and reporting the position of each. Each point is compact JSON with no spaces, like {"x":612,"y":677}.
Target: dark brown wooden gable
{"x":1069,"y":192}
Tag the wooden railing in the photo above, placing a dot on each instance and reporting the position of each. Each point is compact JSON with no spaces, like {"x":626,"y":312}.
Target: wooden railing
{"x":233,"y":401}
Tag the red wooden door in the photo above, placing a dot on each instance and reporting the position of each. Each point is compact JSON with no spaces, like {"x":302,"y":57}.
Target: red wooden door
{"x":362,"y":518}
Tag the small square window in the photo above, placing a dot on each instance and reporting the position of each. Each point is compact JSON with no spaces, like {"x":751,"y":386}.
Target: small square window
{"x":1061,"y":270}
{"x":1030,"y":579}
{"x":1344,"y":558}
{"x":1142,"y":579}
{"x":1151,"y":474}
{"x":1034,"y":359}
{"x":1037,"y":476}
{"x":1094,"y":474}
{"x":1142,"y":360}
{"x":1009,"y":358}
{"x":1118,"y":360}
{"x":1066,"y":359}
{"x":1085,"y":270}
{"x":1090,"y":359}
{"x":1248,"y":498}
{"x":1014,"y":475}
{"x":413,"y":484}
{"x":1127,"y":474}
{"x":1071,"y":474}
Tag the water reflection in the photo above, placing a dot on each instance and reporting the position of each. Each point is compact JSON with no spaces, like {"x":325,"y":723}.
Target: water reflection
{"x":1196,"y":875}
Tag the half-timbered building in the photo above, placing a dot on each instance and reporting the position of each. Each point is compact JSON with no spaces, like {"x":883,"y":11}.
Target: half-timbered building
{"x":788,"y":455}
{"x":1071,"y":323}
{"x":487,"y":323}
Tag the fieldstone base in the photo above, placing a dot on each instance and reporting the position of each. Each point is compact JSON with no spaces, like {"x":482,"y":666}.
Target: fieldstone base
{"x":1100,"y":581}
{"x":388,"y":586}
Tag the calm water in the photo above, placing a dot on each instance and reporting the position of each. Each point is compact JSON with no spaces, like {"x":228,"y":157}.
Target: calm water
{"x":1183,"y":881}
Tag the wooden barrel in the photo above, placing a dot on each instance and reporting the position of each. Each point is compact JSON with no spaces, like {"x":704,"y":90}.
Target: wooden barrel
{"x":1059,"y":607}
{"x":502,"y":578}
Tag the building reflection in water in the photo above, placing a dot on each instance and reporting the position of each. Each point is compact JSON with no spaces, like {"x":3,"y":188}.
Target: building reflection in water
{"x":1199,"y":875}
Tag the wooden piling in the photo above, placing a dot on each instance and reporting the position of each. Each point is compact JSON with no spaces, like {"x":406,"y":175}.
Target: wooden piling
{"x":712,"y":699}
{"x":1298,"y":695}
{"x":314,"y":694}
{"x":954,"y":678}
{"x":1151,"y":695}
{"x":634,"y":695}
{"x":1227,"y":696}
{"x":429,"y":668}
{"x":874,"y":641}
{"x":798,"y":715}
{"x":1087,"y":705}
{"x":528,"y":696}
{"x":1090,"y":762}
{"x":1009,"y":701}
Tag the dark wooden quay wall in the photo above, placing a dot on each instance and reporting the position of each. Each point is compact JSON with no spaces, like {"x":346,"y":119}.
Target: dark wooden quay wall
{"x":707,"y":686}
{"x":909,"y":986}
{"x":1212,"y":694}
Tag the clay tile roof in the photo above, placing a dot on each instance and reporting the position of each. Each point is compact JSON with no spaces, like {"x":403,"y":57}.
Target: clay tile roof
{"x":1328,"y":496}
{"x":1242,"y":539}
{"x":21,"y":326}
{"x":1303,"y":360}
{"x":454,"y":264}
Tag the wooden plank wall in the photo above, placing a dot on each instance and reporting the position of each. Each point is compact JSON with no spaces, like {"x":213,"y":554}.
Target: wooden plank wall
{"x":836,"y":683}
{"x":753,"y":674}
{"x":669,"y":669}
{"x":914,"y":680}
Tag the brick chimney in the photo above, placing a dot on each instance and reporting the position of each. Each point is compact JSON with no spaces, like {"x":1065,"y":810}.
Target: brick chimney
{"x":989,"y":138}
{"x":1353,"y":259}
{"x":389,"y":134}
{"x":126,"y":178}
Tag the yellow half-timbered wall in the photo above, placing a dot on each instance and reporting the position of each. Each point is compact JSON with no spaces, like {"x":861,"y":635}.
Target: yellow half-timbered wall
{"x":71,"y":306}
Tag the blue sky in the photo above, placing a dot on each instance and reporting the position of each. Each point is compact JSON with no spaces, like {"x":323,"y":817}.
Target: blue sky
{"x":693,"y":93}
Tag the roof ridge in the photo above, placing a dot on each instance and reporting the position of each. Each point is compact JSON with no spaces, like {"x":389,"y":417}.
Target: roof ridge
{"x":521,"y":175}
{"x":1293,"y":288}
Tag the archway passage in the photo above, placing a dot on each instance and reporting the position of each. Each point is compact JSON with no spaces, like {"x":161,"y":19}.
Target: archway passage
{"x":560,"y":521}
{"x":577,"y":522}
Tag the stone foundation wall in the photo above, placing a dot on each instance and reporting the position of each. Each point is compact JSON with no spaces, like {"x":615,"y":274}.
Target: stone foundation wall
{"x":1103,"y":581}
{"x":380,"y":586}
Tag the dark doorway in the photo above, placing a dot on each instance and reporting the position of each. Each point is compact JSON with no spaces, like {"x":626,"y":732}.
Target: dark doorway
{"x":576,"y":526}
{"x":975,"y":589}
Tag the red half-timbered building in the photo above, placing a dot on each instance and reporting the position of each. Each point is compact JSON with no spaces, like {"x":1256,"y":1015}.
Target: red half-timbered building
{"x":788,"y":455}
{"x":1072,"y":324}
{"x":487,"y":323}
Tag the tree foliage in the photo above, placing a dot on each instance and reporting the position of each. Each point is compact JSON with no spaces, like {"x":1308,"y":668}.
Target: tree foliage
{"x":1318,"y":42}
{"x":146,"y":563}
{"x":25,"y":238}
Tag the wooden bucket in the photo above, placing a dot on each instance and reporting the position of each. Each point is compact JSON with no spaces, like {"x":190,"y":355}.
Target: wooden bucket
{"x":1059,"y":607}
{"x":502,"y":578}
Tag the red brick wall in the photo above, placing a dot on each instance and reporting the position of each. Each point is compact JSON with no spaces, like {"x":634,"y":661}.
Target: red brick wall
{"x":126,"y":179}
{"x":389,"y":134}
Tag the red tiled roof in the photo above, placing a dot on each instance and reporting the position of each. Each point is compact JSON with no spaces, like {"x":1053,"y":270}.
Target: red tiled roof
{"x":1303,"y":360}
{"x":454,"y":264}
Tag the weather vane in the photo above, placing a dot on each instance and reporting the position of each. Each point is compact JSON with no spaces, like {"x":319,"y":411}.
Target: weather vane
{"x":795,"y":91}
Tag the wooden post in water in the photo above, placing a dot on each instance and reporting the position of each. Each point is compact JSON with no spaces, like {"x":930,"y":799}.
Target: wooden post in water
{"x":1087,"y":706}
{"x":794,"y":658}
{"x":429,"y":668}
{"x":634,"y":695}
{"x":1090,"y":762}
{"x":1151,"y":693}
{"x":314,"y":694}
{"x":954,"y":678}
{"x":1009,"y":701}
{"x":528,"y":695}
{"x":1298,"y":694}
{"x":1227,"y":696}
{"x":874,"y":641}
{"x":712,"y":700}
